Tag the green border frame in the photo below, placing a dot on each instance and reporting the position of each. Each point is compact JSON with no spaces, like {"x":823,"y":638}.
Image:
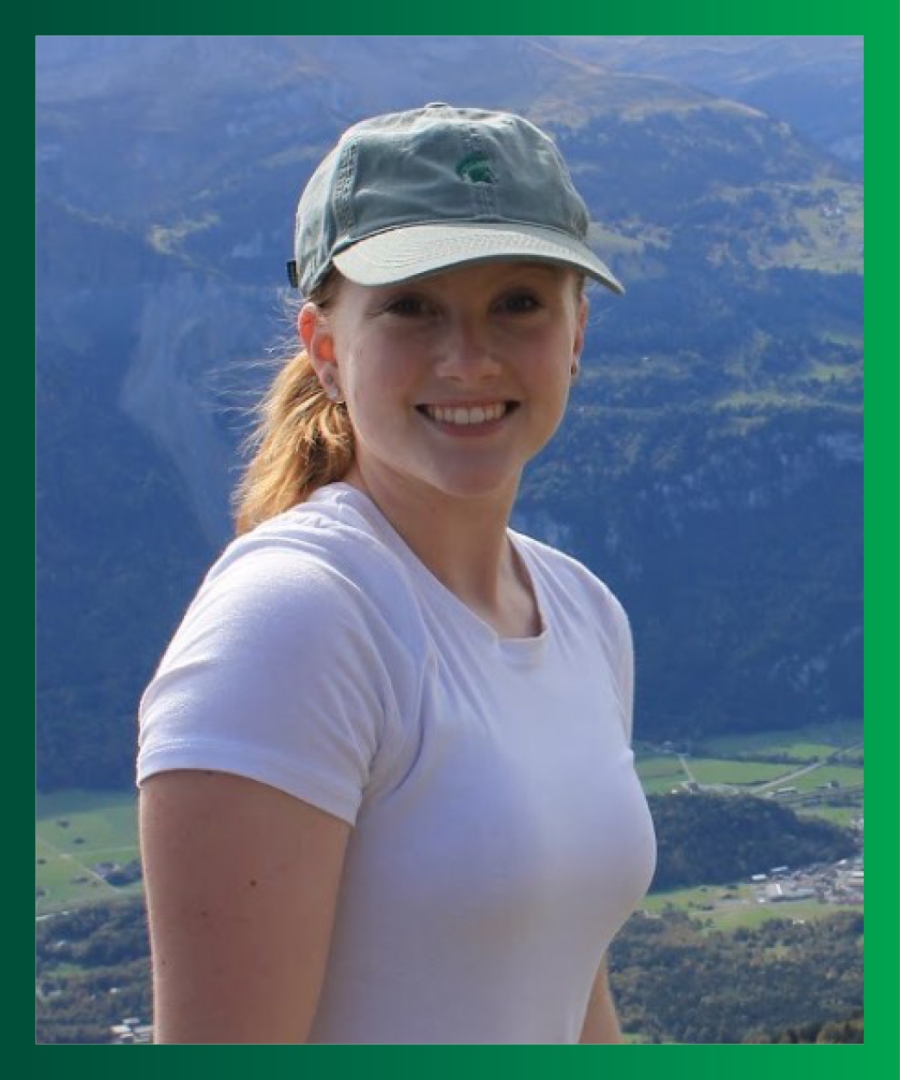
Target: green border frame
{"x":877,"y":21}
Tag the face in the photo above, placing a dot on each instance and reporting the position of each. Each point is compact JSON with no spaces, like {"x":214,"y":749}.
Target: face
{"x":454,"y":381}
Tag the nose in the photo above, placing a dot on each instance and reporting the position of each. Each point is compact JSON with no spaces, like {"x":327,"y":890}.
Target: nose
{"x":466,"y":351}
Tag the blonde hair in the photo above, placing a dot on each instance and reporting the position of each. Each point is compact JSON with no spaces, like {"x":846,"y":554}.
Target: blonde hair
{"x":300,"y":441}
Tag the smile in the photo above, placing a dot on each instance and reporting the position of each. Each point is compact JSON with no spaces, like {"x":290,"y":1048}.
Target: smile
{"x":467,"y":415}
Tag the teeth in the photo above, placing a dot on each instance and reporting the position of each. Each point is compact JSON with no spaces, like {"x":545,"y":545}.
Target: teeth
{"x":479,"y":414}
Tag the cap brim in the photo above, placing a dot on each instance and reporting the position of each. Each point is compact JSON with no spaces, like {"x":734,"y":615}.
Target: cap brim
{"x":402,"y":254}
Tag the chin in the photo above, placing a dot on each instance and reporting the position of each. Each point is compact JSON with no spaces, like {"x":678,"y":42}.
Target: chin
{"x":475,"y":483}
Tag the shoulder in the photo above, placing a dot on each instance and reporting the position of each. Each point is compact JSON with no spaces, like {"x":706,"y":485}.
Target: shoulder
{"x":298,"y":663}
{"x":319,"y":565}
{"x":306,"y":592}
{"x":572,"y":584}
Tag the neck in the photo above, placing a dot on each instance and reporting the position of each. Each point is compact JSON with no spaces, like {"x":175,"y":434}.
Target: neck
{"x":463,"y":542}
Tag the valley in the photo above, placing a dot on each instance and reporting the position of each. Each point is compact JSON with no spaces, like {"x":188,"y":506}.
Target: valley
{"x":92,"y":933}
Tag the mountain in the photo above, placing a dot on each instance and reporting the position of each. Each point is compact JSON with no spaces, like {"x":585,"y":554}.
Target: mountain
{"x":813,"y":83}
{"x":710,"y":466}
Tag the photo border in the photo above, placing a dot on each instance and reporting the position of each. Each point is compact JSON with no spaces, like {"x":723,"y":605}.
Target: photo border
{"x":878,"y":1057}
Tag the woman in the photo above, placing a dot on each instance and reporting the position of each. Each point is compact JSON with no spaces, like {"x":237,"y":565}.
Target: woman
{"x":387,"y":794}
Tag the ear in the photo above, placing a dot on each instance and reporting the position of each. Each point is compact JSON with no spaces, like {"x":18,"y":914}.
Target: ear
{"x":315,"y":333}
{"x":580,"y":326}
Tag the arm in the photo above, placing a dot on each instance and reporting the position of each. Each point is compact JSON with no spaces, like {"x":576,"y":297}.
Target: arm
{"x":601,"y":1023}
{"x":242,"y":882}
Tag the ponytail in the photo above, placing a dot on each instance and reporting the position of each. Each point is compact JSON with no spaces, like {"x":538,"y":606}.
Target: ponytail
{"x":302,"y":440}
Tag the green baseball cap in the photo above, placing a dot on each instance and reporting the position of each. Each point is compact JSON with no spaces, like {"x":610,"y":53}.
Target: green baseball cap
{"x":413,"y":193}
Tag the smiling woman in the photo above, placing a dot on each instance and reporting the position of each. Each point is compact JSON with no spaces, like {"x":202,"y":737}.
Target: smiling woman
{"x":387,"y":790}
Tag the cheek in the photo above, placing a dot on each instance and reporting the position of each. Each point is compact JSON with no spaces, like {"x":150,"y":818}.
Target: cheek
{"x":375,"y":389}
{"x":552,"y":361}
{"x":381,"y":372}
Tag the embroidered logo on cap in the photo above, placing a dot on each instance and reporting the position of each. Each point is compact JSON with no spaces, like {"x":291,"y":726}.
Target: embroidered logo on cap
{"x":476,"y":169}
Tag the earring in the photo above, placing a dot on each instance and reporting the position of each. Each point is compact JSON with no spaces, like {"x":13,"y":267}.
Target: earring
{"x":574,"y":371}
{"x":332,"y":390}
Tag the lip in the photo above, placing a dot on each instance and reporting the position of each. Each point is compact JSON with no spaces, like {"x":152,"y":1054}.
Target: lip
{"x":480,"y":403}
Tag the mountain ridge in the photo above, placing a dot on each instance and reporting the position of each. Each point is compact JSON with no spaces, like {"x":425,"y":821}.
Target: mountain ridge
{"x":710,"y":465}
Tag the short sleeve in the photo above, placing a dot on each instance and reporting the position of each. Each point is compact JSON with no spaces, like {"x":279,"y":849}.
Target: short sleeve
{"x":283,"y":671}
{"x":626,"y":669}
{"x":619,"y":646}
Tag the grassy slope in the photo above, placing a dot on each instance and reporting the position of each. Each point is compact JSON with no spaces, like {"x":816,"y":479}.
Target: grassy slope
{"x":101,"y":827}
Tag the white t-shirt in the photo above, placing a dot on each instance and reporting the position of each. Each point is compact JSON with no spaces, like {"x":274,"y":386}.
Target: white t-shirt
{"x":501,"y":834}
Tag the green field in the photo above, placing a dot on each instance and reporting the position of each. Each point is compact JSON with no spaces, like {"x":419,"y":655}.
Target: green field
{"x":744,"y":762}
{"x":843,"y":775}
{"x":660,"y":775}
{"x":811,"y":742}
{"x":845,"y":816}
{"x":740,"y":773}
{"x":726,"y":907}
{"x":74,"y":832}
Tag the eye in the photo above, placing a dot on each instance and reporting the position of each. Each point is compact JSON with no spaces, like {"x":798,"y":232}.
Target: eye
{"x":521,"y":301}
{"x":408,"y":307}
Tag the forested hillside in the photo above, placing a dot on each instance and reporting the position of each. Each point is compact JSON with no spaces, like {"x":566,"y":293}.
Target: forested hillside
{"x":673,"y":979}
{"x":710,"y":467}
